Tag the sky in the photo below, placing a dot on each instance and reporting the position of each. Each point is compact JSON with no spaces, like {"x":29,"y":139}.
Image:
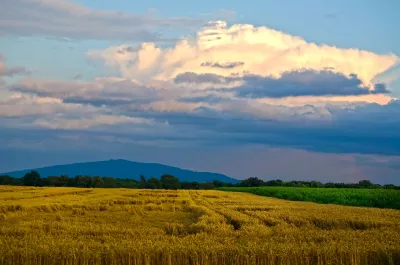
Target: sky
{"x":296,"y":90}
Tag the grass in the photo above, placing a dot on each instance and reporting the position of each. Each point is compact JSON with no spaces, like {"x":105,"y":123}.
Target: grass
{"x":378,"y":198}
{"x":122,"y":226}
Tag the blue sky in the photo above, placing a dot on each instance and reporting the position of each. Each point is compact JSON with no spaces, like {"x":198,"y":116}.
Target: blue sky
{"x":364,"y":24}
{"x":277,"y":82}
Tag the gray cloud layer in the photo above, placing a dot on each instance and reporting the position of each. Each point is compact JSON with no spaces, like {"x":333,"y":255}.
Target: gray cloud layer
{"x":290,"y":84}
{"x":194,"y":78}
{"x":98,"y":92}
{"x":361,"y":128}
{"x":306,"y":83}
{"x":60,"y":18}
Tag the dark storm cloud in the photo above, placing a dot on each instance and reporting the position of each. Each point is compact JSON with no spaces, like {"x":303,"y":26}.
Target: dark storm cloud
{"x":306,"y":83}
{"x":361,"y":130}
{"x":289,"y":84}
{"x":368,"y":129}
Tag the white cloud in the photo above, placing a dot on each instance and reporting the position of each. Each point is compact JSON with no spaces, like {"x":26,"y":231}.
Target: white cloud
{"x":245,"y":49}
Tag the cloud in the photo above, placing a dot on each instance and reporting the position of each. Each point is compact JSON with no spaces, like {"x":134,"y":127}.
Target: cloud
{"x":200,"y":78}
{"x":78,"y":77}
{"x":11,"y":71}
{"x":306,"y":83}
{"x":260,"y":51}
{"x":331,"y":16}
{"x":89,"y":122}
{"x":289,"y":84}
{"x":126,"y":95}
{"x":21,"y":105}
{"x":68,"y":20}
{"x":230,"y":86}
{"x":28,"y":111}
{"x":352,"y":128}
{"x":106,"y":90}
{"x":391,"y":77}
{"x":227,"y":65}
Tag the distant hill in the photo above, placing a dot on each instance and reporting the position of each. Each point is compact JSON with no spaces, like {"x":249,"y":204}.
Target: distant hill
{"x":124,"y":169}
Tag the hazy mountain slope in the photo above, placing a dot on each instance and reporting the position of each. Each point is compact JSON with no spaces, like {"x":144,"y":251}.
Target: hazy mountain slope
{"x":124,"y":169}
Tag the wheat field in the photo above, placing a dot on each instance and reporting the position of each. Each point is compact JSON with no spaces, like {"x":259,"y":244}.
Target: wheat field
{"x":125,"y":226}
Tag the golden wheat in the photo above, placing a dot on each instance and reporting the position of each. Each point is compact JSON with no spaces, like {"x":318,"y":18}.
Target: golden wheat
{"x":123,"y":226}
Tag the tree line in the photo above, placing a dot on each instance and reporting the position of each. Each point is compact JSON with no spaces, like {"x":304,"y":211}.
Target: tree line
{"x":364,"y":184}
{"x":168,"y":181}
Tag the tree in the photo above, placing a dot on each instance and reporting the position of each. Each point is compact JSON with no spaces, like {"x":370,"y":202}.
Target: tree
{"x":365,"y":184}
{"x":64,"y":179}
{"x":6,"y":180}
{"x":96,"y":182}
{"x":389,"y":186}
{"x":53,"y":181}
{"x":252,"y":182}
{"x":154,"y":183}
{"x":190,"y":185}
{"x":143,"y":182}
{"x":170,"y":182}
{"x":275,"y":182}
{"x":316,"y":184}
{"x":109,"y":182}
{"x":218,"y":183}
{"x":56,"y":181}
{"x":83,"y":181}
{"x":329,"y":185}
{"x":31,"y":178}
{"x":207,"y":186}
{"x":87,"y":180}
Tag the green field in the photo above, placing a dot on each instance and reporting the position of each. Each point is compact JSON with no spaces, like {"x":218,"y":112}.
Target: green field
{"x":379,"y":198}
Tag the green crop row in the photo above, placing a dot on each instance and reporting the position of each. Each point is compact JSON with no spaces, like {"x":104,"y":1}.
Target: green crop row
{"x":352,"y":197}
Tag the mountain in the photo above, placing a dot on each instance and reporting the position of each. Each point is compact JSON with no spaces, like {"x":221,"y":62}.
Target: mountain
{"x":124,"y":169}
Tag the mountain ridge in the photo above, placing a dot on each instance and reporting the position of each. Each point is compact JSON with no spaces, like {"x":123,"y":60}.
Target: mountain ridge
{"x":121,"y":168}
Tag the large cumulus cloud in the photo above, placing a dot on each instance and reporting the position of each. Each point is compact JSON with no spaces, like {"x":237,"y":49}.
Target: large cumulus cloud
{"x":240,"y":50}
